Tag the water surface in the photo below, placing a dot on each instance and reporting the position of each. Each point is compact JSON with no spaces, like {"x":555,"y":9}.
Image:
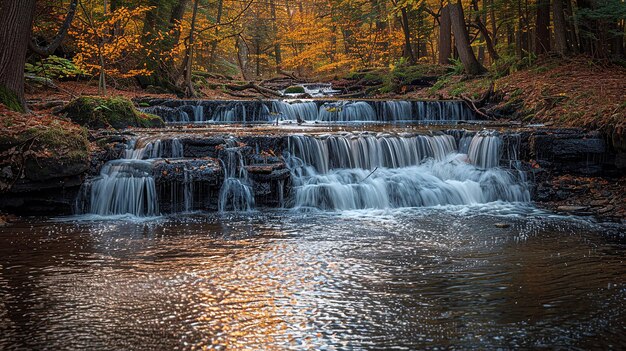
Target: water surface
{"x":390,"y":279}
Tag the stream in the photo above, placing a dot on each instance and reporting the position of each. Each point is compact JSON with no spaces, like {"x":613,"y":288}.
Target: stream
{"x":364,"y":233}
{"x":375,"y":279}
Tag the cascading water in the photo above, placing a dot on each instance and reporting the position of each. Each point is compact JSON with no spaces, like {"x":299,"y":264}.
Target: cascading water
{"x":127,"y":185}
{"x":236,"y":193}
{"x":385,"y":171}
{"x":345,"y":111}
{"x":393,"y":111}
{"x":303,"y":111}
{"x":485,"y":150}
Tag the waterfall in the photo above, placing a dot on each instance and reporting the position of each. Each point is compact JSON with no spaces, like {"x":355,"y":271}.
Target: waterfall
{"x":124,"y":187}
{"x":345,"y":111}
{"x":127,"y":185}
{"x":236,"y":193}
{"x":341,"y":172}
{"x":395,"y":111}
{"x":368,"y":151}
{"x":293,"y":111}
{"x":485,"y":150}
{"x":177,"y":148}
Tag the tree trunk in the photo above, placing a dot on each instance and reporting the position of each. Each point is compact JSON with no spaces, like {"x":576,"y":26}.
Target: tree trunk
{"x":277,"y":52}
{"x":218,"y":20}
{"x":16,"y":19}
{"x":571,"y":27}
{"x":494,"y":24}
{"x":189,"y":90}
{"x":408,"y":50}
{"x":445,"y":36}
{"x":617,"y":42}
{"x":56,"y":42}
{"x":560,"y":28}
{"x":485,"y":34}
{"x":462,"y":41}
{"x":542,"y":27}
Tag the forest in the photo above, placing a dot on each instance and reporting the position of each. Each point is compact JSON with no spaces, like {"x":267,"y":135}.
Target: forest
{"x":172,"y":44}
{"x":312,"y":175}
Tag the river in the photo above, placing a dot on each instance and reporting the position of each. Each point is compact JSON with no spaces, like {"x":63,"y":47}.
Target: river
{"x":406,"y":278}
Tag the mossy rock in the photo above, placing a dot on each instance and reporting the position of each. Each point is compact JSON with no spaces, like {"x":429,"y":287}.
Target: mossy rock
{"x":51,"y":149}
{"x":294,"y":90}
{"x":116,"y":112}
{"x":10,"y":100}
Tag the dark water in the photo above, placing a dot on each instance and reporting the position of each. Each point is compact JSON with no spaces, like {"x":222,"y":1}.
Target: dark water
{"x":406,"y":279}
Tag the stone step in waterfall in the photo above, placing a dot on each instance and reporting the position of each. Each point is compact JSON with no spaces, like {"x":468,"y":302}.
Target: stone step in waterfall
{"x":321,"y":111}
{"x":184,"y":172}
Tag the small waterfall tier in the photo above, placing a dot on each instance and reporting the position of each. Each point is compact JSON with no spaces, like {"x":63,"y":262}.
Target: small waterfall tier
{"x":177,"y":173}
{"x":125,"y":186}
{"x":370,"y":111}
{"x":150,"y":179}
{"x":343,"y":172}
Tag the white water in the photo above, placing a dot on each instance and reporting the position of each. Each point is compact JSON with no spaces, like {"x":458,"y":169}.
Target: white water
{"x":392,"y":111}
{"x":126,"y":186}
{"x":329,"y":172}
{"x":376,"y":172}
{"x":485,"y":149}
{"x":236,"y":193}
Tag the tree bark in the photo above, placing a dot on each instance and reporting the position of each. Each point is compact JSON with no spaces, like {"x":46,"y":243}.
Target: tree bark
{"x":218,"y":19}
{"x":445,"y":36}
{"x":54,"y":44}
{"x":542,"y":27}
{"x":572,"y":27}
{"x":560,"y":28}
{"x":188,"y":88}
{"x":16,"y":19}
{"x":408,"y":50}
{"x":462,"y":41}
{"x":277,"y":52}
{"x":485,"y":33}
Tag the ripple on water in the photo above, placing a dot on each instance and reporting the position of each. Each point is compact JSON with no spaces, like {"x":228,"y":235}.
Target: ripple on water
{"x":403,"y":278}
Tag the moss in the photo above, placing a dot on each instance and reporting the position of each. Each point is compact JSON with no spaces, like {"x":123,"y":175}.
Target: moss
{"x":440,"y":84}
{"x":458,"y":90}
{"x":10,"y":100}
{"x":49,"y":147}
{"x":294,"y":90}
{"x":149,"y":120}
{"x":116,"y":112}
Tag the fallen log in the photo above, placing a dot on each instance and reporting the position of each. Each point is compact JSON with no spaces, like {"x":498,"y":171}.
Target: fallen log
{"x":260,"y":89}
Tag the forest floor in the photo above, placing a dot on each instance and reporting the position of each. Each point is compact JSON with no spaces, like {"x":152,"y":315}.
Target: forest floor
{"x":565,"y":92}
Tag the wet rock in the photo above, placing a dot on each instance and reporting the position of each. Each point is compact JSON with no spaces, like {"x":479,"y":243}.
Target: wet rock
{"x":6,"y":172}
{"x":187,"y":184}
{"x":502,"y":225}
{"x":196,"y":170}
{"x":572,"y":209}
{"x":599,"y":202}
{"x":569,"y":151}
{"x":202,"y":146}
{"x":264,"y":168}
{"x":605,"y":210}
